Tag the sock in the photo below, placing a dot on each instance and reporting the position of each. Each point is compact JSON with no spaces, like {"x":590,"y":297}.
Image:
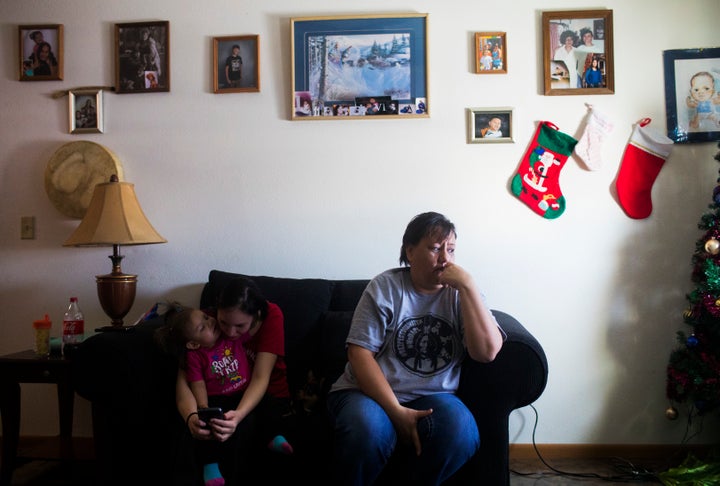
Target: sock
{"x":588,"y":148}
{"x":536,"y":182}
{"x":280,"y":444}
{"x":212,"y":476}
{"x":644,"y":157}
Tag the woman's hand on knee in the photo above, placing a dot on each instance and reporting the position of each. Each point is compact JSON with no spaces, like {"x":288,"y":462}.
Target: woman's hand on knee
{"x":406,"y":426}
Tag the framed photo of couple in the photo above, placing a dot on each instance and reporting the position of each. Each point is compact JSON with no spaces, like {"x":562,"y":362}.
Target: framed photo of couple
{"x":41,"y":52}
{"x":578,"y":52}
{"x":348,"y":67}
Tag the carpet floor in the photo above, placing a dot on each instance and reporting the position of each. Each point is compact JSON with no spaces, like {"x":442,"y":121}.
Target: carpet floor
{"x":524,"y":472}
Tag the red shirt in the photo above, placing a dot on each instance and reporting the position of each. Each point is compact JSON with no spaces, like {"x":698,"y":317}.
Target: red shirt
{"x":270,"y":338}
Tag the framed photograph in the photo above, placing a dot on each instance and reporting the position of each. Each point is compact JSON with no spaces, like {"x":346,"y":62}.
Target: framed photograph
{"x":490,"y":53}
{"x":340,"y":63}
{"x":142,"y":57}
{"x":236,"y":64}
{"x":41,"y":52}
{"x":490,"y":125}
{"x":85,"y":110}
{"x":692,"y":94}
{"x":578,"y":52}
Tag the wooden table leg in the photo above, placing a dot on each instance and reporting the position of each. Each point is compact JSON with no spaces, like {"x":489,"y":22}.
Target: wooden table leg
{"x":10,"y":411}
{"x":66,"y":397}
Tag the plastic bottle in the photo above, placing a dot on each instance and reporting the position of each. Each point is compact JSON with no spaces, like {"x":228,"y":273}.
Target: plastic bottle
{"x":73,"y":326}
{"x":42,"y":336}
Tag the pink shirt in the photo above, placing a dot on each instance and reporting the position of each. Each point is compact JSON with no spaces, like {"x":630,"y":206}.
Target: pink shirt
{"x":224,"y":367}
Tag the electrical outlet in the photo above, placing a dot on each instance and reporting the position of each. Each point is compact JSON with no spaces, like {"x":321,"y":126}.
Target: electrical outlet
{"x":27,"y":227}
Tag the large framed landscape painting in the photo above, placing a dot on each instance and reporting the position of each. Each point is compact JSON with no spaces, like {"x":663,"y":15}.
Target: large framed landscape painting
{"x":354,"y":67}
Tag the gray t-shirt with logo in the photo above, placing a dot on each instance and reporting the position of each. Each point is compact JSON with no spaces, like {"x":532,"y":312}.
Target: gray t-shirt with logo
{"x":417,"y":338}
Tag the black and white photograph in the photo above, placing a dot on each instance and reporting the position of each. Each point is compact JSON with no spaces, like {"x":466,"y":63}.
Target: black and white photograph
{"x":142,"y":51}
{"x":85,"y":110}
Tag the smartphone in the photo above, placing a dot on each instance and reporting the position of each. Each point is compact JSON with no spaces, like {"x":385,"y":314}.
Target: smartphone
{"x":206,"y":414}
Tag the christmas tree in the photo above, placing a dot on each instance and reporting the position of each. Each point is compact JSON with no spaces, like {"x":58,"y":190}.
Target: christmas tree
{"x":693,"y":372}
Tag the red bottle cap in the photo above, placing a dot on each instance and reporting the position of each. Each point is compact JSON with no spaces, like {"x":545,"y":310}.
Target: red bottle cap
{"x":43,"y":323}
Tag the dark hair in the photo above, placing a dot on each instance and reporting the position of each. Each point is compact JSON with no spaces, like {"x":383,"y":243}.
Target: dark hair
{"x":422,"y":225}
{"x":172,"y":336}
{"x":243,"y":294}
{"x":566,"y":34}
{"x":236,"y":45}
{"x":584,"y":31}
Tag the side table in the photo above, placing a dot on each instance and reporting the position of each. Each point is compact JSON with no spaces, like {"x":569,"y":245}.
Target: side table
{"x":26,"y":367}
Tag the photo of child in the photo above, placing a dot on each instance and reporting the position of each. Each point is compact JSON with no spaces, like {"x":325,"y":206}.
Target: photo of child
{"x":703,"y":103}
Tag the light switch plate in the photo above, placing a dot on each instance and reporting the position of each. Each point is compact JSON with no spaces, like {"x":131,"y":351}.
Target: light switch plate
{"x":27,"y":227}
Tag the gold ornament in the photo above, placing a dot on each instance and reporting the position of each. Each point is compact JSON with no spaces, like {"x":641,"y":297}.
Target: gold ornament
{"x":671,"y":413}
{"x":712,"y":246}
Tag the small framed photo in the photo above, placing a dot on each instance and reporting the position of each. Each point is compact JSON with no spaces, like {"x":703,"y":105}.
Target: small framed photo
{"x":692,"y":94}
{"x":41,"y":52}
{"x":490,"y":53}
{"x":490,"y":125}
{"x":236,"y":64}
{"x":339,"y":62}
{"x":142,"y":57}
{"x":85,"y":110}
{"x":578,"y":52}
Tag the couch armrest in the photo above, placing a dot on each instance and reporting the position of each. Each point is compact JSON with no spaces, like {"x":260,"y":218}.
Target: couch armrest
{"x":516,"y":378}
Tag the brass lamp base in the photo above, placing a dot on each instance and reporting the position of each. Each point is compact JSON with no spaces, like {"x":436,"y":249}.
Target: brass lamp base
{"x":116,"y":292}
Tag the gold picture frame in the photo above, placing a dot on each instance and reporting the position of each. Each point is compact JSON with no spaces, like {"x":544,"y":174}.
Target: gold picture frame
{"x":578,"y":52}
{"x":245,"y":66}
{"x":490,"y":53}
{"x":85,"y":111}
{"x":41,"y":52}
{"x":331,"y":54}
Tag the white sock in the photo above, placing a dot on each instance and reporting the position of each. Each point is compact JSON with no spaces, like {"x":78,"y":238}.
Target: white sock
{"x":589,"y":146}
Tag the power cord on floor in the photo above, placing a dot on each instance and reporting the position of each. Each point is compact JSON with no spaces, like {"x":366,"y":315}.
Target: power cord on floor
{"x":629,"y":473}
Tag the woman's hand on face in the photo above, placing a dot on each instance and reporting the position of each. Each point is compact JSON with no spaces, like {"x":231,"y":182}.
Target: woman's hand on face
{"x":454,"y":276}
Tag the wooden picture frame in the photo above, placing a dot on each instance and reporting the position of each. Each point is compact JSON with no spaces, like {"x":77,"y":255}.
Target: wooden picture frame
{"x":245,"y":66}
{"x":490,"y":53}
{"x":142,"y":57}
{"x":574,"y":41}
{"x":85,"y":111}
{"x":339,"y":63}
{"x":41,"y":55}
{"x":490,"y":125}
{"x":692,"y":99}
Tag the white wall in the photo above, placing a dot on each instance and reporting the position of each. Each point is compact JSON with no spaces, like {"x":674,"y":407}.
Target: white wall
{"x":234,"y":185}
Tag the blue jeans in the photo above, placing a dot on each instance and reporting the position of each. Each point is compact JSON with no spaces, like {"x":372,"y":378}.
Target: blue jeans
{"x":365,"y":438}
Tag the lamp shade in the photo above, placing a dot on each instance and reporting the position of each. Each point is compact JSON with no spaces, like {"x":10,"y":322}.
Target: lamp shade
{"x":114,"y":217}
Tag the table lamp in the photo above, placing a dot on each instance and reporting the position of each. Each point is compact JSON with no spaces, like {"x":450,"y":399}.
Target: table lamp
{"x":113,"y":218}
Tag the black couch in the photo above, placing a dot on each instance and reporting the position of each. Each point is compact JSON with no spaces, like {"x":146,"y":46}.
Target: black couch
{"x":141,"y":439}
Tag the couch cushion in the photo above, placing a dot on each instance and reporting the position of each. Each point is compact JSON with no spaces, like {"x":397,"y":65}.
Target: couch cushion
{"x":334,"y":330}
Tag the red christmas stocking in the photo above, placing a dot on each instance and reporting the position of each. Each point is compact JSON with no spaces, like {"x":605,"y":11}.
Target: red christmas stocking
{"x":644,"y":157}
{"x":536,"y":182}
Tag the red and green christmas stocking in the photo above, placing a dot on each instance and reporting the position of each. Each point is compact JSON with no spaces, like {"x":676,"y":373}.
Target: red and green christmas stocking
{"x":536,"y":182}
